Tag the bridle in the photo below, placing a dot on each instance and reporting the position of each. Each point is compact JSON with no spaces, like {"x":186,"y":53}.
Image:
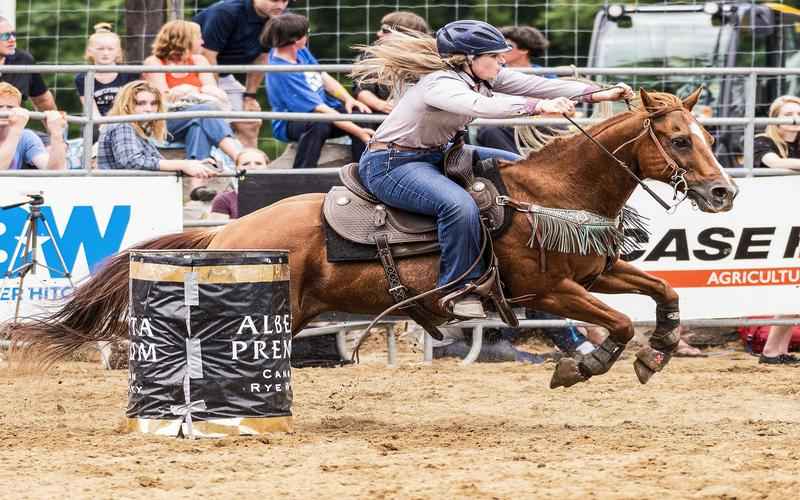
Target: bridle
{"x":678,"y":176}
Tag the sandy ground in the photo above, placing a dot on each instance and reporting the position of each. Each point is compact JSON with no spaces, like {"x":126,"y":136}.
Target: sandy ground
{"x":720,"y":427}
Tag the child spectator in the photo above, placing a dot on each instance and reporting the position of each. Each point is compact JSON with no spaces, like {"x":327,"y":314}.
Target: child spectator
{"x":778,"y":146}
{"x":307,"y":92}
{"x":226,"y":205}
{"x":130,"y":145}
{"x":178,"y":43}
{"x":376,"y":95}
{"x":104,"y":49}
{"x":21,"y":148}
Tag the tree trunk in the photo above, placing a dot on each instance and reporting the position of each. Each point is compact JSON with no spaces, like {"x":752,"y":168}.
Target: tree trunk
{"x":143,"y":19}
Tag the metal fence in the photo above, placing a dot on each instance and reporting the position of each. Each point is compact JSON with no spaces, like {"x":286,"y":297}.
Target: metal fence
{"x":88,"y":121}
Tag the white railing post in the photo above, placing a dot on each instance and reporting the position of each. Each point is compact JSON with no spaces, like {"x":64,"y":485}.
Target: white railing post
{"x":88,"y":127}
{"x":750,"y":95}
{"x":427,"y":348}
{"x":391,"y":347}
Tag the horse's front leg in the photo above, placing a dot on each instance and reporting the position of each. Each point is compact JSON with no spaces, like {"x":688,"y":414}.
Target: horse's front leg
{"x":626,"y":278}
{"x":571,"y":300}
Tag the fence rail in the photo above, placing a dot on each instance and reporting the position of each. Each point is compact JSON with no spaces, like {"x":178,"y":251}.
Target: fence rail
{"x":88,"y":121}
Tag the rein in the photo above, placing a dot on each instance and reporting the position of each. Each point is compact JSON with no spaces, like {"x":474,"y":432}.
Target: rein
{"x":678,"y":174}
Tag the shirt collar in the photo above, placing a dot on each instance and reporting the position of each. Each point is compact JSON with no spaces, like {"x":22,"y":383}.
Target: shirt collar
{"x":468,"y":79}
{"x":252,"y":15}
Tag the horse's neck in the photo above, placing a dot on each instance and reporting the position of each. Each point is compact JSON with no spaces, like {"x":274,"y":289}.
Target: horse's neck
{"x":578,"y":174}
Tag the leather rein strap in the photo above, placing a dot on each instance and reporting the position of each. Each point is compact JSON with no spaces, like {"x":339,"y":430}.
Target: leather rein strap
{"x":647,"y":125}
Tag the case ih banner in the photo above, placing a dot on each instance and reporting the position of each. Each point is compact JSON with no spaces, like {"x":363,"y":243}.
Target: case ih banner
{"x":91,"y":218}
{"x":741,"y":263}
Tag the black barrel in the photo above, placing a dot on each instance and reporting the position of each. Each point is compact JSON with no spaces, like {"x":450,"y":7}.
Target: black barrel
{"x":210,"y":342}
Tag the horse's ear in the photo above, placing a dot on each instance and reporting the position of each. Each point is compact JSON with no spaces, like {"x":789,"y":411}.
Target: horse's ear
{"x":647,"y":101}
{"x":690,"y":101}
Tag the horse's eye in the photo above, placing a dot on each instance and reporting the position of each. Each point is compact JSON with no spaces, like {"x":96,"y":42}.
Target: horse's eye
{"x":681,"y":143}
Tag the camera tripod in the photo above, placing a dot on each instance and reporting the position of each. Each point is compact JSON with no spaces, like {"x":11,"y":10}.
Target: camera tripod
{"x":27,"y":249}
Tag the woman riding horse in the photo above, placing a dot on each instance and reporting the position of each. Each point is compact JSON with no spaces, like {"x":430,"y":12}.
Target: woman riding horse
{"x":449,"y":82}
{"x":564,"y":240}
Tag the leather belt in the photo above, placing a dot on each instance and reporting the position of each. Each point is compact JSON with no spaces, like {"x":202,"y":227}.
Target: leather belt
{"x":383,"y":146}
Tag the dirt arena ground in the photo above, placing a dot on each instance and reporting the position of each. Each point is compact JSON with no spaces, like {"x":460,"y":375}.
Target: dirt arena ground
{"x":720,"y":427}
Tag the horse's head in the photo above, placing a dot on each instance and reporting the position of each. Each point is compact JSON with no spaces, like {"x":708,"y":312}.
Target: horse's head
{"x":679,"y":152}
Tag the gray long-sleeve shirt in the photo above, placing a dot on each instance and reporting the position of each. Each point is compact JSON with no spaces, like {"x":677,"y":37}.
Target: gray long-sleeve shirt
{"x":433,"y":110}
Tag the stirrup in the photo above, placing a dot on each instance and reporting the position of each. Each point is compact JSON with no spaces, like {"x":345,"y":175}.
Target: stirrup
{"x":469,"y":306}
{"x":449,"y":301}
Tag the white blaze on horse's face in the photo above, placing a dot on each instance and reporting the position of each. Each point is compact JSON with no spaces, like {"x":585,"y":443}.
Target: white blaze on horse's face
{"x":698,"y":132}
{"x":712,"y":191}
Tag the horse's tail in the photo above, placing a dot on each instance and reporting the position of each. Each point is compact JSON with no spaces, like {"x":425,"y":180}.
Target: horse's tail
{"x":97,"y":309}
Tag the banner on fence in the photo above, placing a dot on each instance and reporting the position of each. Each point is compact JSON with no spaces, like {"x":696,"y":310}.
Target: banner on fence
{"x":91,"y":218}
{"x":740,"y":263}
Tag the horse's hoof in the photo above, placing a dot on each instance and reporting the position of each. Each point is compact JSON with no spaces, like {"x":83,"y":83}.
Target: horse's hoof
{"x":643,"y":373}
{"x":566,"y":374}
{"x":648,"y":362}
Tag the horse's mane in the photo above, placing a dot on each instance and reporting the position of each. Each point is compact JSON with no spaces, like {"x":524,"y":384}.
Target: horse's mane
{"x":662,"y":100}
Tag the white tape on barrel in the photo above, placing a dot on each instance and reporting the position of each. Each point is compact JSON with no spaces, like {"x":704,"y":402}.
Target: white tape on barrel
{"x":194,"y":358}
{"x":191,"y":290}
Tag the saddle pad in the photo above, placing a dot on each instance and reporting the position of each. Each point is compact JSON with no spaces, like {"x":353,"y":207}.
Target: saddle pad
{"x":341,"y":250}
{"x":358,"y":220}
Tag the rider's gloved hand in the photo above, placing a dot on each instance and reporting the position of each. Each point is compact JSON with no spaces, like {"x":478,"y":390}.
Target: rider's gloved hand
{"x":558,"y":105}
{"x":616,"y":93}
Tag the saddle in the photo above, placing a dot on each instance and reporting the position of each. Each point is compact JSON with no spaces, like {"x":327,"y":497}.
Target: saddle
{"x":355,"y":215}
{"x":358,"y":227}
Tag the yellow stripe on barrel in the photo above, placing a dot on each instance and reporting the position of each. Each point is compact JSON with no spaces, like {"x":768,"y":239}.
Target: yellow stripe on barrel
{"x":234,"y":273}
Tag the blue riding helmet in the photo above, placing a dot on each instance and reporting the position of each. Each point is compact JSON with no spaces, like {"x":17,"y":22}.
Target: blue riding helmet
{"x":471,"y":38}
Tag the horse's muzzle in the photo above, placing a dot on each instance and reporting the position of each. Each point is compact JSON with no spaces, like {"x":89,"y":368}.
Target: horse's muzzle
{"x":716,"y":196}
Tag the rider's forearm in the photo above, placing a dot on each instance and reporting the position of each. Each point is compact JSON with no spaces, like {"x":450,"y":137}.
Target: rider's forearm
{"x":515,"y":83}
{"x":454,"y":96}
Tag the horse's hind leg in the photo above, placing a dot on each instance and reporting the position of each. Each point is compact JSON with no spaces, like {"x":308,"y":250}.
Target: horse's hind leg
{"x":625,"y":278}
{"x":571,"y":300}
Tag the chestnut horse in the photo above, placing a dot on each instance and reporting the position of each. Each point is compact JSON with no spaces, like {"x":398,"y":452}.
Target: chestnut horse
{"x":571,"y":173}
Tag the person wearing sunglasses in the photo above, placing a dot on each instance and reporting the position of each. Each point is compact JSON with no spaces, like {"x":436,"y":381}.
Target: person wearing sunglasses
{"x":31,"y":85}
{"x":376,"y":95}
{"x":527,"y":45}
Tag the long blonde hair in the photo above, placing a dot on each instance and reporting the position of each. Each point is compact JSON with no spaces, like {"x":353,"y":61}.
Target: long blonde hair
{"x":101,"y":30}
{"x":174,"y":40}
{"x":401,"y":59}
{"x":772,"y":131}
{"x":125,"y":104}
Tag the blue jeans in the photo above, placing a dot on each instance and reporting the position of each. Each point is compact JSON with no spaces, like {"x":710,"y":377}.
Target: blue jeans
{"x":413,"y":181}
{"x":199,"y":134}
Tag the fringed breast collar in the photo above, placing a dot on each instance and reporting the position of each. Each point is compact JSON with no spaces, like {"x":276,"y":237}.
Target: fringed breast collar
{"x":581,"y":232}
